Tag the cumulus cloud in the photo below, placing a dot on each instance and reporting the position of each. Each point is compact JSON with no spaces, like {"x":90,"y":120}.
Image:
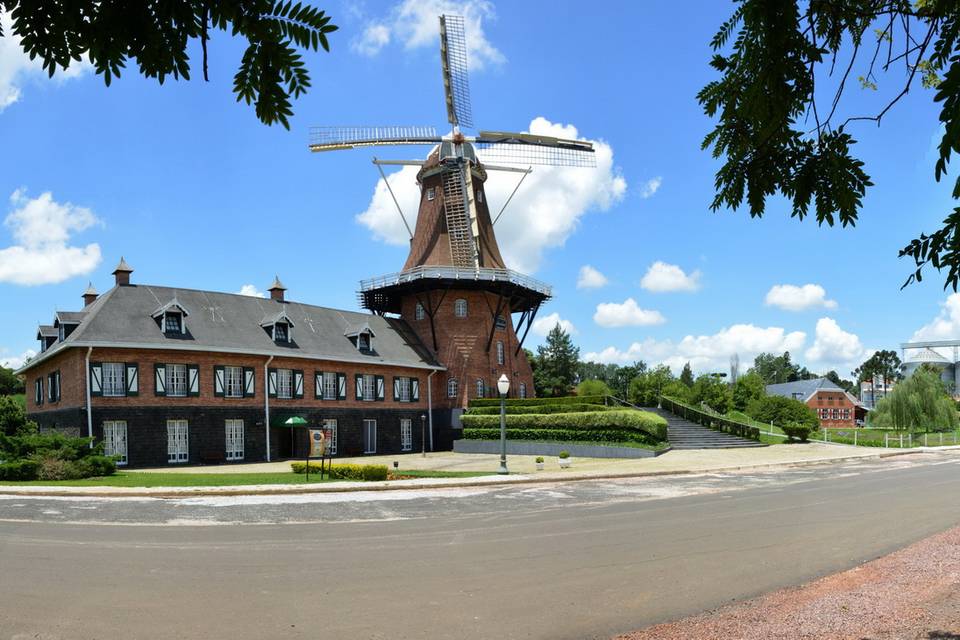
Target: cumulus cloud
{"x":15,"y":362}
{"x":946,"y":326}
{"x":835,"y":348}
{"x":626,"y":314}
{"x":542,"y":214}
{"x":543,"y":326}
{"x":705,"y":352}
{"x":415,"y":24}
{"x":41,"y":228}
{"x":590,"y":278}
{"x":662,"y":277}
{"x":650,"y":187}
{"x":252,"y":291}
{"x":793,"y":298}
{"x":16,"y":67}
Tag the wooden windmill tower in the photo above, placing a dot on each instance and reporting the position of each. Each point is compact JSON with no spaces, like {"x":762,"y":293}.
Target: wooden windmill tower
{"x":455,"y":290}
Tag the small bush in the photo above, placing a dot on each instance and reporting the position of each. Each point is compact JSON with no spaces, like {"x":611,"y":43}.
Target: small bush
{"x":56,"y":469}
{"x":593,"y":388}
{"x":20,"y":470}
{"x":517,"y":402}
{"x":563,"y":455}
{"x":358,"y":472}
{"x":624,"y":420}
{"x":539,"y":459}
{"x":796,"y":431}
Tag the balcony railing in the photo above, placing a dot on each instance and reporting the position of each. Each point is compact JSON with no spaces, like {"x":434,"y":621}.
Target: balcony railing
{"x":456,"y":273}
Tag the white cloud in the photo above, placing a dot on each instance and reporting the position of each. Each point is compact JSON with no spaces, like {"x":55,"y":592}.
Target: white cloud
{"x":946,"y":326}
{"x":650,"y":187}
{"x":543,"y":326}
{"x":834,"y":348}
{"x":626,"y":314}
{"x":16,"y":67}
{"x":662,"y":277}
{"x":793,"y":298}
{"x":15,"y":362}
{"x":705,"y":352}
{"x":542,"y":214}
{"x":416,"y":24}
{"x":374,"y":38}
{"x":252,"y":291}
{"x":42,"y":228}
{"x":590,"y":278}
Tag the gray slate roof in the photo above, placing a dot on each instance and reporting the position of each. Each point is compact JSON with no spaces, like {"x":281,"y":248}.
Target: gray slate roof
{"x":801,"y":389}
{"x":71,"y":317}
{"x":227,"y":322}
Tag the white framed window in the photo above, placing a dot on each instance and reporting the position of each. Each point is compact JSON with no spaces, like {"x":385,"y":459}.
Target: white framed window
{"x":284,"y":383}
{"x":329,"y":386}
{"x":178,"y":441}
{"x":846,"y":414}
{"x":419,"y":312}
{"x":115,"y":440}
{"x":431,"y":193}
{"x":172,"y":322}
{"x":481,"y":388}
{"x":233,"y":382}
{"x":406,"y":434}
{"x":369,"y":387}
{"x":176,"y":383}
{"x":114,"y":379}
{"x":460,"y":308}
{"x":369,"y":436}
{"x":453,"y":387}
{"x":330,"y":425}
{"x":500,"y":354}
{"x":234,"y":443}
{"x":523,"y":390}
{"x":404,"y":384}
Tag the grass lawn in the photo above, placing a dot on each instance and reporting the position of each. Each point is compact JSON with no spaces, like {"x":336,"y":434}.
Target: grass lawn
{"x":427,"y":473}
{"x":147,"y":479}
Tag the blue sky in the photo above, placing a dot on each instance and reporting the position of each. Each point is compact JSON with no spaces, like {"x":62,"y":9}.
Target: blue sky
{"x":195,"y":192}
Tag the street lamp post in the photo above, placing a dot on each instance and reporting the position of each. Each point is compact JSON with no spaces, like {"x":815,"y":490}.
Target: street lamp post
{"x":503,"y":386}
{"x":423,"y":435}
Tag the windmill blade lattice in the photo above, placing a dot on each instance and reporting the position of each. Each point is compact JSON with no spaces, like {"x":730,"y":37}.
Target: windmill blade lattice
{"x":453,"y":61}
{"x":334,"y":138}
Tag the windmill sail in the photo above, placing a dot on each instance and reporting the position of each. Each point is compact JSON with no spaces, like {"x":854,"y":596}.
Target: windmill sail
{"x":527,"y":148}
{"x":334,"y":138}
{"x":453,"y":62}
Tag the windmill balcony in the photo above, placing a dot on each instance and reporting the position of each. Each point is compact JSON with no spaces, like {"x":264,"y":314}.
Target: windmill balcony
{"x":456,"y":273}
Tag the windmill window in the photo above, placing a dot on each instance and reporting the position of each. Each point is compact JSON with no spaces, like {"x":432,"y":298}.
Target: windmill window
{"x":452,"y":387}
{"x":523,"y":390}
{"x":419,"y":313}
{"x":172,"y":323}
{"x":460,"y":308}
{"x":500,"y":357}
{"x":480,"y":196}
{"x":500,"y":322}
{"x":481,"y":388}
{"x":431,"y":193}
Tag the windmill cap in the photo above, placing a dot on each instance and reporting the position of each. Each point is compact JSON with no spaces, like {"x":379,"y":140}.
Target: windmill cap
{"x":123,"y":267}
{"x":277,"y":285}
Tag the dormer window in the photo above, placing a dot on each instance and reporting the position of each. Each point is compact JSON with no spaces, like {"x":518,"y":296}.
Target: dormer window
{"x":281,"y":332}
{"x":361,"y":336}
{"x":279,"y":327}
{"x":363,"y":342}
{"x":172,"y":322}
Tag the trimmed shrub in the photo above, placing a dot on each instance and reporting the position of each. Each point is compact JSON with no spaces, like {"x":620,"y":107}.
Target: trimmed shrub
{"x":358,"y":472}
{"x":796,"y":431}
{"x":563,"y":455}
{"x":20,"y":470}
{"x":619,"y":420}
{"x":564,"y":435}
{"x":517,"y":402}
{"x":539,"y":408}
{"x":593,"y":388}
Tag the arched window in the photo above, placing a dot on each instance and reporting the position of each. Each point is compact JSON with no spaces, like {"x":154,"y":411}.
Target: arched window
{"x":499,"y":352}
{"x":460,"y":308}
{"x":523,"y":390}
{"x":419,"y":312}
{"x":481,"y":388}
{"x":452,"y":387}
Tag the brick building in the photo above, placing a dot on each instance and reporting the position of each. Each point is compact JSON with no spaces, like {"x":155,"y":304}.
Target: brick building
{"x":835,"y":407}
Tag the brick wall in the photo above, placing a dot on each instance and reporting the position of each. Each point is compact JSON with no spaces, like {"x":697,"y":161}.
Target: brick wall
{"x":461,"y":346}
{"x":827,"y":404}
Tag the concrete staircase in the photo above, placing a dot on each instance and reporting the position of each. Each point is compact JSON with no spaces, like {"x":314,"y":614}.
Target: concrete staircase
{"x":683,"y":434}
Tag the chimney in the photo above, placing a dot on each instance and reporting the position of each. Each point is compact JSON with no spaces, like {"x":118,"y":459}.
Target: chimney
{"x":90,"y":295}
{"x":122,"y":273}
{"x":276,"y":289}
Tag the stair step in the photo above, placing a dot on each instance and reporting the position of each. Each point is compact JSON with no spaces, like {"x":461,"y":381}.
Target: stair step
{"x":683,"y":434}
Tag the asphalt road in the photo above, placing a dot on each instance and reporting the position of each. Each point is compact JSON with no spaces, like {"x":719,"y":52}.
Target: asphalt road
{"x":576,"y":560}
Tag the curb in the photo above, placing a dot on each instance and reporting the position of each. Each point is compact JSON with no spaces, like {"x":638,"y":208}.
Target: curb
{"x":262,"y":490}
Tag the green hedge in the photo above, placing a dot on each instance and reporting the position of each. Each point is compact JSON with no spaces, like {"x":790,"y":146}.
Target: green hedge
{"x":563,"y":435}
{"x":517,"y":402}
{"x":709,"y":420}
{"x":359,"y":472}
{"x":623,"y":419}
{"x":20,"y":470}
{"x":539,"y":408}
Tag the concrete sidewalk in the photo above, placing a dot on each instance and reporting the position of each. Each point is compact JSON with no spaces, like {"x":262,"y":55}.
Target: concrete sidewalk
{"x":522,"y":468}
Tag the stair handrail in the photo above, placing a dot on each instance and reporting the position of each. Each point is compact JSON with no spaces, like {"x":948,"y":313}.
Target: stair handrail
{"x":707,"y":419}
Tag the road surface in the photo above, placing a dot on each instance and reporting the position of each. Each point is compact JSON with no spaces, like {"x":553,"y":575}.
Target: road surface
{"x":575,"y":560}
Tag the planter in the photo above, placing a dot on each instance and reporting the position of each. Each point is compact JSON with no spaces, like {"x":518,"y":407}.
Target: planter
{"x":539,"y":466}
{"x":564,"y":463}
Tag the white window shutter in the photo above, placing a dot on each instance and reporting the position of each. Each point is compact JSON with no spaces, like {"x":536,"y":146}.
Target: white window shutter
{"x":218,"y":383}
{"x":96,"y":379}
{"x":248,"y":382}
{"x":298,"y":384}
{"x":359,"y":386}
{"x":380,"y":388}
{"x":414,"y":390}
{"x":160,"y":379}
{"x":318,"y":385}
{"x":341,"y":386}
{"x":133,"y":379}
{"x":193,"y":380}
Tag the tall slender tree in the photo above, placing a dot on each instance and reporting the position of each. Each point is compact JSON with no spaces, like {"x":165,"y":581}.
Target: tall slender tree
{"x":557,"y":360}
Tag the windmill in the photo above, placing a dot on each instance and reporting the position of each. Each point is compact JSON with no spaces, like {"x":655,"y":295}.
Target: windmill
{"x":453,"y":247}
